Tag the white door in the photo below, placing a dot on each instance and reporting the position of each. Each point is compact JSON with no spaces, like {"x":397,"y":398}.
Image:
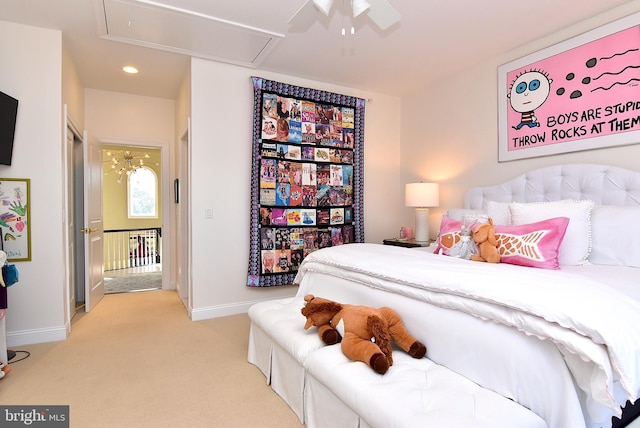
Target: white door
{"x":93,"y":227}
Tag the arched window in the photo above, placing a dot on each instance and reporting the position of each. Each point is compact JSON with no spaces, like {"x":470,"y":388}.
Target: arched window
{"x":143,"y":193}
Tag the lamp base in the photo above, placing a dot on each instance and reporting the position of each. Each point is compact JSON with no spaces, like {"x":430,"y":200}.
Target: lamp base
{"x":422,"y":225}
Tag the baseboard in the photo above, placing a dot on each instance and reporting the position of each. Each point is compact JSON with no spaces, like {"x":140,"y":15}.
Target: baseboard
{"x":30,"y":337}
{"x":200,"y":314}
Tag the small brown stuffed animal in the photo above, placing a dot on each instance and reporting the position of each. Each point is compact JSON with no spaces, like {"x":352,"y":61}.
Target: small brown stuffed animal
{"x":485,"y":236}
{"x":365,"y":332}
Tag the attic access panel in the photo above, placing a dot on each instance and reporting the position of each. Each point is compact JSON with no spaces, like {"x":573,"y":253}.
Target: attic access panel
{"x":158,"y":26}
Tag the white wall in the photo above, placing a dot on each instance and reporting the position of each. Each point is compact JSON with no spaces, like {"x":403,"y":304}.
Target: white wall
{"x":72,"y":90}
{"x":450,"y":130}
{"x":222,"y":112}
{"x":118,"y":116}
{"x":31,"y":71}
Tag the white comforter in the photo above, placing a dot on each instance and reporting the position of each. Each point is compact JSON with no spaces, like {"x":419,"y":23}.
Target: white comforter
{"x":594,"y":326}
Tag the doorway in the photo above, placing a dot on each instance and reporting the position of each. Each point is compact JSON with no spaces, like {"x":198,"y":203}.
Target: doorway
{"x":77,"y":192}
{"x":132,"y":195}
{"x":74,"y":219}
{"x":84,"y":286}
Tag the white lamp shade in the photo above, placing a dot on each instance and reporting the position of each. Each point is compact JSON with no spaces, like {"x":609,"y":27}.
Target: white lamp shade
{"x":422,"y":195}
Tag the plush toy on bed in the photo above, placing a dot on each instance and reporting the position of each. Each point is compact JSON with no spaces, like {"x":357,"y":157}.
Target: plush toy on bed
{"x":365,"y":332}
{"x":485,"y":237}
{"x":465,"y":247}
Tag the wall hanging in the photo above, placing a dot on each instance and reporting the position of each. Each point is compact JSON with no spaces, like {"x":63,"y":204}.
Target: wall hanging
{"x":15,"y":219}
{"x":307,"y":177}
{"x":580,"y":94}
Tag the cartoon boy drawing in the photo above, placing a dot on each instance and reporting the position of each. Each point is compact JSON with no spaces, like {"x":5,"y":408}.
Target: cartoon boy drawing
{"x":528,"y":92}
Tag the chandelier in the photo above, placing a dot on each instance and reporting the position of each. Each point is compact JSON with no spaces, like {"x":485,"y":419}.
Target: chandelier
{"x":125,"y":162}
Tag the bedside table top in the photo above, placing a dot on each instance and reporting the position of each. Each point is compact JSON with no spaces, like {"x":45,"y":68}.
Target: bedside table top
{"x":407,"y":243}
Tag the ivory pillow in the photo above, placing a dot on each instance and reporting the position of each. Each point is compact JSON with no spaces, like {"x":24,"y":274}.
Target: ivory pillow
{"x":615,"y":236}
{"x":467,"y":215}
{"x":576,"y":245}
{"x":499,"y":212}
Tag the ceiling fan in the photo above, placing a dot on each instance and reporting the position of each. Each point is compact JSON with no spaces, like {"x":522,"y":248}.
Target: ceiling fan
{"x":380,"y":12}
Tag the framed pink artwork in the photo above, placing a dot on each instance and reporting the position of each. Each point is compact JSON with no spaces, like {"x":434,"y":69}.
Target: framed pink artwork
{"x":580,"y":94}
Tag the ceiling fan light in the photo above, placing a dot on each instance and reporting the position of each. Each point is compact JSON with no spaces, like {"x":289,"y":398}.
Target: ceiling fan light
{"x":324,"y":5}
{"x":359,"y":6}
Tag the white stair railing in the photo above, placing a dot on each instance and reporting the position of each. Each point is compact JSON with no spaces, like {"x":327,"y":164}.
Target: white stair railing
{"x":131,"y":248}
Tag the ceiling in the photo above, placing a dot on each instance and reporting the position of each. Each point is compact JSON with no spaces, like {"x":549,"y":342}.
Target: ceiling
{"x":432,"y":40}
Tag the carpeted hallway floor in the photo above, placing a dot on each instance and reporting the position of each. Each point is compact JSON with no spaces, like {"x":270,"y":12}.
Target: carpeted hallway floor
{"x":138,"y":361}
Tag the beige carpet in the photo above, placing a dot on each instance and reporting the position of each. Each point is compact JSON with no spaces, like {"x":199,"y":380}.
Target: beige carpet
{"x":138,"y":361}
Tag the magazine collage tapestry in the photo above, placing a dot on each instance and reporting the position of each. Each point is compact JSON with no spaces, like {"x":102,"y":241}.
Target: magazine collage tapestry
{"x":306,"y":177}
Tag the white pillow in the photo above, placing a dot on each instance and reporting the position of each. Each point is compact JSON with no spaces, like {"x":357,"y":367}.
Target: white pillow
{"x":467,"y":216}
{"x":499,"y":212}
{"x":615,"y":236}
{"x":576,"y":244}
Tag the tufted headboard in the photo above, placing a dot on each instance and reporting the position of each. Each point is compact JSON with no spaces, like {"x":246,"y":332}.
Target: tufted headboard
{"x":605,"y":185}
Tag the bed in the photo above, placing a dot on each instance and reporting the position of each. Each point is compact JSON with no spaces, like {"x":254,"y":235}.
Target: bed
{"x":556,"y":330}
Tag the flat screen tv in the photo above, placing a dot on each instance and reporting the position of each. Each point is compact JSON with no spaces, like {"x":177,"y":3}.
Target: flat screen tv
{"x":8,"y":115}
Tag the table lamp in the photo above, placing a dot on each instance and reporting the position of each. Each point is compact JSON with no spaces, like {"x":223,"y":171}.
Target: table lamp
{"x":422,"y":196}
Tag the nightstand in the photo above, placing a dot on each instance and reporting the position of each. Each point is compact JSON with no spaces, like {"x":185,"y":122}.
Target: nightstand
{"x":407,"y":243}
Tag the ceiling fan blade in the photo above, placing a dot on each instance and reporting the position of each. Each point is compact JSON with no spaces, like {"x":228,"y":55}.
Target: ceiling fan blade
{"x":382,"y":13}
{"x":359,"y":6}
{"x":305,"y":16}
{"x":324,"y":5}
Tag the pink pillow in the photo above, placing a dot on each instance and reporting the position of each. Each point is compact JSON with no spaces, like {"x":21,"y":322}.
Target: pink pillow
{"x":449,"y":234}
{"x":534,"y":244}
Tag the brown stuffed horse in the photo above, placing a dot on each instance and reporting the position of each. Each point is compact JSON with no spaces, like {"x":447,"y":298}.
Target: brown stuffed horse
{"x":365,"y":332}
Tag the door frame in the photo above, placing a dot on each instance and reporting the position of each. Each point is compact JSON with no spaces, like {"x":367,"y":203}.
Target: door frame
{"x":183,"y":220}
{"x":70,"y":250}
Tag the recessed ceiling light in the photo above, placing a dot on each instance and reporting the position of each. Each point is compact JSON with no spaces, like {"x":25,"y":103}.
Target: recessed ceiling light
{"x":129,"y":69}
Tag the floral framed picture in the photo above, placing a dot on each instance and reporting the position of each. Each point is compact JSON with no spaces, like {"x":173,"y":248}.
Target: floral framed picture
{"x":580,"y":94}
{"x":15,"y":218}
